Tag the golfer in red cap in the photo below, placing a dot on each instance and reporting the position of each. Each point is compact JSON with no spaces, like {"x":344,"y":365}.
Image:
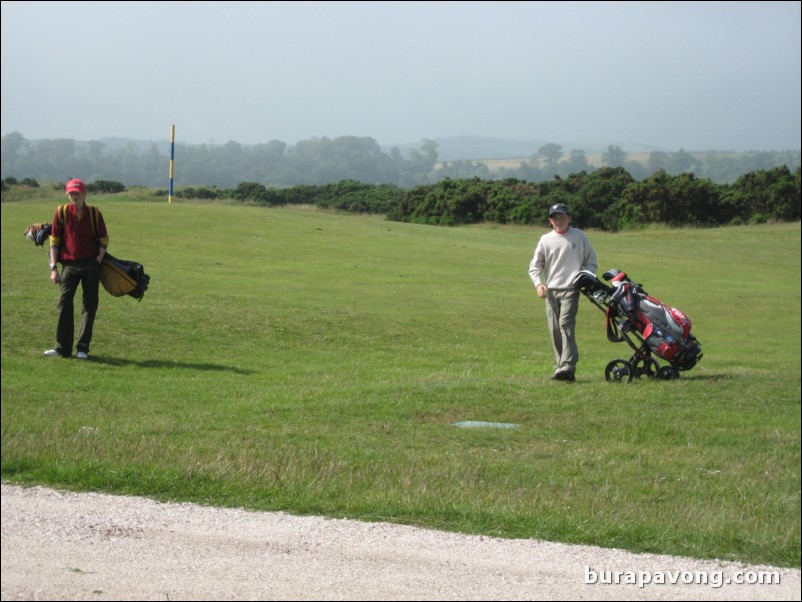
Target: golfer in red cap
{"x":78,"y":240}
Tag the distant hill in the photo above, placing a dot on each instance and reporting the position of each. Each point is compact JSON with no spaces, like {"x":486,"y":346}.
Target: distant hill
{"x":111,"y":144}
{"x":458,"y":157}
{"x":475,"y":148}
{"x":453,"y":148}
{"x":479,"y":148}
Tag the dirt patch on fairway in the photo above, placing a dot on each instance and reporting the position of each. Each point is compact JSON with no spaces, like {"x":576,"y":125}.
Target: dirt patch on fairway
{"x":67,"y":546}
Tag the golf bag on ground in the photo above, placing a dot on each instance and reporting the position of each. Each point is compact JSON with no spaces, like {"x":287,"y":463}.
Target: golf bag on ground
{"x":120,"y":277}
{"x":648,"y":326}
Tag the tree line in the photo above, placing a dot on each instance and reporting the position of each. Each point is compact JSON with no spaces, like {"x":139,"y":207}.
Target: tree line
{"x":606,"y":199}
{"x":321,"y":161}
{"x":609,"y":198}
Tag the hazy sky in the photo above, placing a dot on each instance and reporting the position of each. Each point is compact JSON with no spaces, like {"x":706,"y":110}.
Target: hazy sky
{"x":676,"y":75}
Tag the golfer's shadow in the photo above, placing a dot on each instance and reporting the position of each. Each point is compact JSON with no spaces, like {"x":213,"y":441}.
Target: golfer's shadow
{"x":112,"y":361}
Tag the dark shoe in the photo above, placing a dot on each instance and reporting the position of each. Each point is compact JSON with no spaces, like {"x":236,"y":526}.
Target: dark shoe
{"x":565,"y":376}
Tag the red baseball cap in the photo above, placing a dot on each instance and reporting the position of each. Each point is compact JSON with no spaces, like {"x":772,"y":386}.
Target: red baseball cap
{"x":75,"y":186}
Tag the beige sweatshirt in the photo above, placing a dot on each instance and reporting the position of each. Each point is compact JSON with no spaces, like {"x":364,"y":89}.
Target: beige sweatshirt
{"x":558,"y":257}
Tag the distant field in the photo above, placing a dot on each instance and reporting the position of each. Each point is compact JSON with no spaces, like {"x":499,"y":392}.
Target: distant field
{"x":496,"y":165}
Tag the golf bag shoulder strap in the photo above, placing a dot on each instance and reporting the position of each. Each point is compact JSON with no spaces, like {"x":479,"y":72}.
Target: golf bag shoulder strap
{"x":62,"y":217}
{"x":93,"y":217}
{"x":613,"y":332}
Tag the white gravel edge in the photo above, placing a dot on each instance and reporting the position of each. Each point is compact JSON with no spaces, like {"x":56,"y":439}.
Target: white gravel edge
{"x":66,"y":546}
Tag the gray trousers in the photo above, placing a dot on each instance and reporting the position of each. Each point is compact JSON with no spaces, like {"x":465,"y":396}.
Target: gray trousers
{"x":561,"y":309}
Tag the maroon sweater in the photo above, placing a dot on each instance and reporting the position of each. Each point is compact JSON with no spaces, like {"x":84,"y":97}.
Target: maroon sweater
{"x":75,"y":238}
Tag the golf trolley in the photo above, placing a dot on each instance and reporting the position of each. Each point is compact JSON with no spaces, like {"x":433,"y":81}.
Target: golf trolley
{"x":649,"y":327}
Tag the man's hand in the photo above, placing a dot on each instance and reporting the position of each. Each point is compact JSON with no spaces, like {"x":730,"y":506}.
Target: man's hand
{"x":542,"y":290}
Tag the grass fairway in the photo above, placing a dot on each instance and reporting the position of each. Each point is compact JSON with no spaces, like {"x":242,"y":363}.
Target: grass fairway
{"x":300,"y":360}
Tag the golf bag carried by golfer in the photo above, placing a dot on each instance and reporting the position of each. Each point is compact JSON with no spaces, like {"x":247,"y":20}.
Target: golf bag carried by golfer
{"x":648,"y":326}
{"x":120,"y":277}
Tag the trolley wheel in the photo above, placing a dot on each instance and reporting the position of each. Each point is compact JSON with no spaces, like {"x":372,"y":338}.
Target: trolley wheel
{"x":618,"y":371}
{"x":667,"y":373}
{"x":645,"y":367}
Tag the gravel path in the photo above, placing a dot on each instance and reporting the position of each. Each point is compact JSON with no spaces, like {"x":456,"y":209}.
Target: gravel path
{"x":66,"y":546}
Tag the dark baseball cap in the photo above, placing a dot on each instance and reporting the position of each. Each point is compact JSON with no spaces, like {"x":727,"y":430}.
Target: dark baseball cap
{"x":559,"y":208}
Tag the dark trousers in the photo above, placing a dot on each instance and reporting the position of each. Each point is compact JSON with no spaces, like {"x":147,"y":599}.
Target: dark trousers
{"x":87,"y":274}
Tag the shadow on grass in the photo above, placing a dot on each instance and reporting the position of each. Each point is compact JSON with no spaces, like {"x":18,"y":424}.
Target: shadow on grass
{"x":110,"y":361}
{"x":711,"y":377}
{"x":692,"y":377}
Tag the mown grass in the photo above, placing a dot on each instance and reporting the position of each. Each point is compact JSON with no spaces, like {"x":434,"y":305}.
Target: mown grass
{"x":315,"y":362}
